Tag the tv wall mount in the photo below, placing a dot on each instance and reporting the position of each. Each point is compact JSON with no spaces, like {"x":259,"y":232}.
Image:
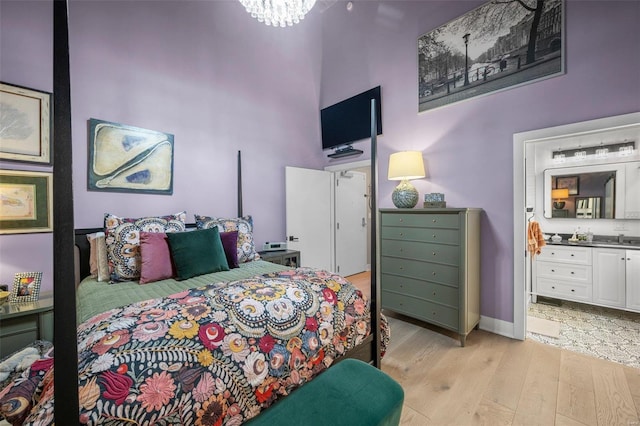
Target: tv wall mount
{"x":346,"y":151}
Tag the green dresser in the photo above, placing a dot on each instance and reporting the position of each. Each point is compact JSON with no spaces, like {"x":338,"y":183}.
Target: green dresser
{"x":430,"y":265}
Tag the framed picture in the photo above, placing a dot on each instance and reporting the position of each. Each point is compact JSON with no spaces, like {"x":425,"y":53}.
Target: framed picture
{"x":25,"y":124}
{"x":27,"y":202}
{"x":569,"y":182}
{"x":497,"y":46}
{"x":26,"y":287}
{"x":129,"y":159}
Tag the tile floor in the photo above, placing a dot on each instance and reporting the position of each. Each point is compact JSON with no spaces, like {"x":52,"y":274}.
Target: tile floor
{"x":605,"y":333}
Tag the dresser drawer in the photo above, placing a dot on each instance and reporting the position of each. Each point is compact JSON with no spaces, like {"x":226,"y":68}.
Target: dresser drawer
{"x":421,"y":251}
{"x":565,"y":289}
{"x":424,"y":271}
{"x":421,"y":220}
{"x":565,"y":271}
{"x":427,"y":235}
{"x":416,"y":308}
{"x":566,"y":254}
{"x":412,"y":287}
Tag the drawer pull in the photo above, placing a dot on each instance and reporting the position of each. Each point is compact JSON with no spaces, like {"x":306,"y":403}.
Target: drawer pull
{"x":553,"y":270}
{"x":572,"y":272}
{"x":572,"y":255}
{"x":553,"y":287}
{"x":434,"y":253}
{"x":433,"y":273}
{"x":434,"y":236}
{"x":401,"y":219}
{"x":572,"y":290}
{"x":401,"y":234}
{"x":434,"y":221}
{"x":552,"y":253}
{"x":433,"y":313}
{"x":434,"y":293}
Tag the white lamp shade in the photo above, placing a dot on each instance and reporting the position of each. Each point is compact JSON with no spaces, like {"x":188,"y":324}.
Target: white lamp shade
{"x":406,"y":165}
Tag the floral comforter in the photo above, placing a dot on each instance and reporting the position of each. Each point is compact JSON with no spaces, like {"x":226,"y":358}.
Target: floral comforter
{"x":213,"y":355}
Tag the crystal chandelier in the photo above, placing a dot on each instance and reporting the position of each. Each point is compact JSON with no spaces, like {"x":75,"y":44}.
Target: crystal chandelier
{"x":278,"y":13}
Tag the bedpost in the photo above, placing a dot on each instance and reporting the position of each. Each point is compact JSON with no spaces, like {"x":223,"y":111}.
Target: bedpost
{"x":375,"y":290}
{"x":239,"y":184}
{"x":64,"y":295}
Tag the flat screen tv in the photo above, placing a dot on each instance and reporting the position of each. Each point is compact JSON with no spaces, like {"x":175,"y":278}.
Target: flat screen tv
{"x":350,"y":120}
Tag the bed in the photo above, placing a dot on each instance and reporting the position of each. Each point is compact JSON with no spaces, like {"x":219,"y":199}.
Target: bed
{"x":215,"y":348}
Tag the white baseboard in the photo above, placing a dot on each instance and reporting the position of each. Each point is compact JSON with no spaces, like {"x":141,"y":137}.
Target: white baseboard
{"x":497,"y":326}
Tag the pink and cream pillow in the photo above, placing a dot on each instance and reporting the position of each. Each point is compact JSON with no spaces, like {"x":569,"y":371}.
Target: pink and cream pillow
{"x":123,"y":241}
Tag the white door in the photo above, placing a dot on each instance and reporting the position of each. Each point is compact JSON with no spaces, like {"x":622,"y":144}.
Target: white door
{"x":609,"y":277}
{"x":351,"y":223}
{"x":309,"y":221}
{"x":633,"y":279}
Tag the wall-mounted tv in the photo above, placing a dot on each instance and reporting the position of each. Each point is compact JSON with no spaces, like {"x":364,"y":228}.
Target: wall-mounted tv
{"x":350,"y":120}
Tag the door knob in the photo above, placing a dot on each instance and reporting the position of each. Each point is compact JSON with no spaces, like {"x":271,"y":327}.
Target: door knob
{"x":292,"y":238}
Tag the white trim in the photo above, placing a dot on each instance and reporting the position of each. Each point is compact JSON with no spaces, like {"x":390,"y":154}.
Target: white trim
{"x":520,"y":140}
{"x":497,"y":326}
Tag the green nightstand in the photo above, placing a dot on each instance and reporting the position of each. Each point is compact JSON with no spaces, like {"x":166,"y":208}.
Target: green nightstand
{"x":282,"y":257}
{"x":23,"y":323}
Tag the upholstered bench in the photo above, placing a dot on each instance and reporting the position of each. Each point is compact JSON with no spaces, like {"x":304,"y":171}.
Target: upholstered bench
{"x":350,"y":393}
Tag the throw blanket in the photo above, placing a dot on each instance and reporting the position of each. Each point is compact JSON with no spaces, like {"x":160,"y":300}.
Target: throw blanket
{"x":213,"y":355}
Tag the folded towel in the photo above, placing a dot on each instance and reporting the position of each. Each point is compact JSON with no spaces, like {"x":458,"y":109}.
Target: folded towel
{"x":535,"y":238}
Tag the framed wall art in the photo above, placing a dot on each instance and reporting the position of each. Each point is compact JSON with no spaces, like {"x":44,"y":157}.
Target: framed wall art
{"x":26,"y":287}
{"x":25,"y":124}
{"x":497,"y":46}
{"x":27,"y":202}
{"x":124,"y":158}
{"x":569,"y":182}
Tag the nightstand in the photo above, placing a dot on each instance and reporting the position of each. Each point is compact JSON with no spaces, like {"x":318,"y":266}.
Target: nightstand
{"x":282,"y":257}
{"x":23,"y":323}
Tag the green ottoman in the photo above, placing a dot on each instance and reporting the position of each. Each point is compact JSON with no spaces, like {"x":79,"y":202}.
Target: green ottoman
{"x":350,"y":393}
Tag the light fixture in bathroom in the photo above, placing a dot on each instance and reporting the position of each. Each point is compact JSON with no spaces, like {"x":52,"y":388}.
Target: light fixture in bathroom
{"x":602,"y":153}
{"x":624,"y":149}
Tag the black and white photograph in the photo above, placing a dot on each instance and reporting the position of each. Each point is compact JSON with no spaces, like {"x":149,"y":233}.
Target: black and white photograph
{"x":499,"y":45}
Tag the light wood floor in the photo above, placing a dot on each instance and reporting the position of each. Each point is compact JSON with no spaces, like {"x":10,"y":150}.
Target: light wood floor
{"x":495,"y":380}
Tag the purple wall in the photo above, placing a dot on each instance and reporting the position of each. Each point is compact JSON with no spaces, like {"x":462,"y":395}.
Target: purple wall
{"x":468,"y":146}
{"x":219,"y":81}
{"x":204,"y":71}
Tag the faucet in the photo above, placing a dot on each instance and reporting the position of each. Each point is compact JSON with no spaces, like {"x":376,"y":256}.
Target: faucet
{"x":620,"y":238}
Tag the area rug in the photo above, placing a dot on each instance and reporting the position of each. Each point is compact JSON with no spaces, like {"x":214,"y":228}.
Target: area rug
{"x":605,"y":333}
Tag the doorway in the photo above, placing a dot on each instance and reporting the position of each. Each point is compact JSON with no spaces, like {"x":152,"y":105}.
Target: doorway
{"x":328,"y":216}
{"x":528,"y":202}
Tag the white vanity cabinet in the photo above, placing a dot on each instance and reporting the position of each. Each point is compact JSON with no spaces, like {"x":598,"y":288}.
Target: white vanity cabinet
{"x":595,"y":275}
{"x":609,"y":277}
{"x":564,"y":272}
{"x":633,"y":280}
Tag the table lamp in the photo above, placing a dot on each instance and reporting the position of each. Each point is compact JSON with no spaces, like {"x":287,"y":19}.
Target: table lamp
{"x":404,"y":166}
{"x":558,"y":195}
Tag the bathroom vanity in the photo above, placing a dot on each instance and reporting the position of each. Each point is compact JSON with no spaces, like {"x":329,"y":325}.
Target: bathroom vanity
{"x":603,"y":273}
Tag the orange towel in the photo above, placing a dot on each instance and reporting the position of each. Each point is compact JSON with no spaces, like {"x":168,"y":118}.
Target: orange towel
{"x":535,"y":238}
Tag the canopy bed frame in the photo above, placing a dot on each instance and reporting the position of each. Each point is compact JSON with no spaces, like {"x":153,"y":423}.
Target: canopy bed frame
{"x":66,"y":238}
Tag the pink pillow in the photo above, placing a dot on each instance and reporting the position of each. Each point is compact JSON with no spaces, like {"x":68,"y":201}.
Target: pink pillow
{"x":155,"y":257}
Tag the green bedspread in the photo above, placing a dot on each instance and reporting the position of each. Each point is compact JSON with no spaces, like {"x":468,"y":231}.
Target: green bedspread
{"x":95,"y":297}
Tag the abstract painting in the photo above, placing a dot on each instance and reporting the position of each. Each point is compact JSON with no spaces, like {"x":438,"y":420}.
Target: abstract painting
{"x":129,"y":159}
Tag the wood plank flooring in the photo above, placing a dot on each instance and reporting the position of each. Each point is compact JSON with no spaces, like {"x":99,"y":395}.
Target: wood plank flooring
{"x":495,"y":380}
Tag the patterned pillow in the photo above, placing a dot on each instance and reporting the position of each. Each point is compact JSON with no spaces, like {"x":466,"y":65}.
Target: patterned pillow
{"x":123,"y":241}
{"x":244,"y":226}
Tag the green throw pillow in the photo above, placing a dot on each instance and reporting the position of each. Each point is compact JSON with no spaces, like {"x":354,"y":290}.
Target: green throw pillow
{"x":197,"y":252}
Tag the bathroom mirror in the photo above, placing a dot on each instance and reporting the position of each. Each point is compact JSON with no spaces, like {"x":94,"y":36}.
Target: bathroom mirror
{"x":605,"y":191}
